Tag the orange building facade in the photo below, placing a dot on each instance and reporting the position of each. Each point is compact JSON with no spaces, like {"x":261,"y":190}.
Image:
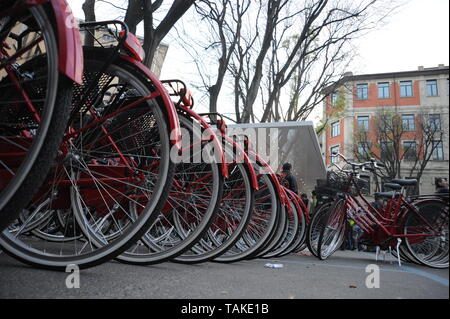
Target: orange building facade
{"x":355,"y":103}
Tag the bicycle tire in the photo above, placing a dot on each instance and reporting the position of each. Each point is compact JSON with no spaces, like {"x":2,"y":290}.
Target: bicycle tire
{"x":209,"y":247}
{"x":334,"y":229}
{"x":313,"y":229}
{"x":289,"y":235}
{"x":263,"y":211}
{"x":58,"y":93}
{"x":436,"y":254}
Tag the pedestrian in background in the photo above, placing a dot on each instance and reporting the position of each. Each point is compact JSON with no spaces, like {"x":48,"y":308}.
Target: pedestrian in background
{"x":441,"y":185}
{"x":289,"y":178}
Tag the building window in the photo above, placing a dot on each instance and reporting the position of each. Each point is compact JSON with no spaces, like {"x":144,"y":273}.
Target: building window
{"x":362,"y":91}
{"x":334,"y":158}
{"x":335,"y":129}
{"x":410,"y":150}
{"x":432,"y":89}
{"x":334,"y":98}
{"x":406,"y":89}
{"x":383,"y":90}
{"x":408,"y":123}
{"x":438,"y":151}
{"x":434,"y":122}
{"x":363,"y":123}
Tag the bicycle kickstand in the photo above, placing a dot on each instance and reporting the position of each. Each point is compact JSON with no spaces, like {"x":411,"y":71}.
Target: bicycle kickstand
{"x":377,"y":253}
{"x":399,"y":241}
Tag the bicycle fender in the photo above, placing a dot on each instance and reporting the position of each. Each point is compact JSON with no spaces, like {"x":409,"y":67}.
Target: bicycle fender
{"x":70,"y":48}
{"x":248,"y":164}
{"x":279,"y":189}
{"x":300,"y":203}
{"x":171,"y":112}
{"x":215,"y":139}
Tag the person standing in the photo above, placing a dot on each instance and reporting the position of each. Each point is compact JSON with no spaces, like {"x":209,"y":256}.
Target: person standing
{"x":289,"y":178}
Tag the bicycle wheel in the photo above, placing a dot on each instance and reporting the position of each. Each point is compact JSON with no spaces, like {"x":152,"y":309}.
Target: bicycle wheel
{"x":333,"y":231}
{"x":278,"y":236}
{"x":231,"y":220}
{"x":31,"y":126}
{"x":262,"y":224}
{"x":426,"y":233}
{"x":193,"y":202}
{"x":315,"y":226}
{"x":300,"y":243}
{"x":234,"y":212}
{"x":117,"y":158}
{"x":290,"y":235}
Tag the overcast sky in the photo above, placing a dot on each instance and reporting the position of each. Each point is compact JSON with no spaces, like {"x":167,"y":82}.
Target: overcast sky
{"x":418,"y":34}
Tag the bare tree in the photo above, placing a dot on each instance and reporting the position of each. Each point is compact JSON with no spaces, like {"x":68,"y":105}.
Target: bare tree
{"x":306,"y":47}
{"x":274,"y":9}
{"x":225,"y":18}
{"x":385,"y":142}
{"x":153,"y":36}
{"x":144,"y":10}
{"x":319,"y":49}
{"x":429,"y":137}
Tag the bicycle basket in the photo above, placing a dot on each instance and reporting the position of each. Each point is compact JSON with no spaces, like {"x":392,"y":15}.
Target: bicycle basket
{"x":338,"y":181}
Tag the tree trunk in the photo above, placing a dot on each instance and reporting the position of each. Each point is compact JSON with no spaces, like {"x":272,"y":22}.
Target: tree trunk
{"x":89,"y":16}
{"x":134,"y":14}
{"x":272,"y":17}
{"x":153,"y":37}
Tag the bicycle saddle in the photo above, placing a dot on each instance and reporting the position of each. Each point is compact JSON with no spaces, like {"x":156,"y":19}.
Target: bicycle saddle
{"x":405,"y":182}
{"x":392,"y":186}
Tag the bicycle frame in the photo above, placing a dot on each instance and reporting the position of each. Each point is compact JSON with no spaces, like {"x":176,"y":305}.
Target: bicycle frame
{"x":381,"y":229}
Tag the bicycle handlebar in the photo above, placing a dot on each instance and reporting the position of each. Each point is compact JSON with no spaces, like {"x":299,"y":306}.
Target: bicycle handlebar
{"x":372,"y":165}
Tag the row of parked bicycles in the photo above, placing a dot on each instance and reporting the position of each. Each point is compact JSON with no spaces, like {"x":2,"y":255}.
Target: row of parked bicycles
{"x":101,"y":160}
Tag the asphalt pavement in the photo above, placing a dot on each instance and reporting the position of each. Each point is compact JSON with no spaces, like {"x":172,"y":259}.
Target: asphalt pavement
{"x":344,"y":275}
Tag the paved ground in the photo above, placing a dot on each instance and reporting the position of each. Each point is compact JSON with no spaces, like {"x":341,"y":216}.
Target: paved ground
{"x":342,"y":276}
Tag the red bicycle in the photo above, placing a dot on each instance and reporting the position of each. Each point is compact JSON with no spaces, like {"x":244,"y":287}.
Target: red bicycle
{"x":419,"y":226}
